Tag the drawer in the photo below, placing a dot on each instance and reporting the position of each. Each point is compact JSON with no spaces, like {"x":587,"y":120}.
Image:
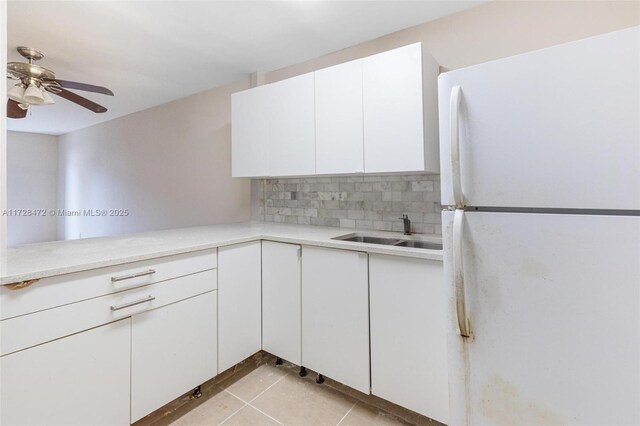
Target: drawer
{"x":64,"y":289}
{"x":43,"y":326}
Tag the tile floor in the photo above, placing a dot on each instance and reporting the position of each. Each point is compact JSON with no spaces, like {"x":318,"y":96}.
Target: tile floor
{"x":270,"y":395}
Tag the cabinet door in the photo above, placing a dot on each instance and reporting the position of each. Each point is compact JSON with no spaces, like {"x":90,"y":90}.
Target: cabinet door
{"x":239,"y":303}
{"x":173,"y":349}
{"x":82,"y":379}
{"x":408,"y":329}
{"x":339,"y":135}
{"x":393,"y":110}
{"x":292,"y":132}
{"x":250,"y":122}
{"x":281,"y":300}
{"x":335,"y":315}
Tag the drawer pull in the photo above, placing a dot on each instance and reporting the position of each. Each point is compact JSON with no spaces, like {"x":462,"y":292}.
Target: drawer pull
{"x":135,"y":302}
{"x":21,"y":284}
{"x":134,"y":275}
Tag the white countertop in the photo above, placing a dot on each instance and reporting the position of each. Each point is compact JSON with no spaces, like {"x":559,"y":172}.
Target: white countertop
{"x":35,"y":261}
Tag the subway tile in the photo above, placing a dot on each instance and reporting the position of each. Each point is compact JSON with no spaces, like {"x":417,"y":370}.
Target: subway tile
{"x":381,"y":186}
{"x":364,"y":186}
{"x":332,"y":222}
{"x":432,"y":196}
{"x":372,"y":215}
{"x":347,"y":186}
{"x":347,"y":223}
{"x":330,"y":204}
{"x":423,"y":185}
{"x":303,"y":220}
{"x":338,"y":214}
{"x":366,"y":202}
{"x":355,"y":214}
{"x":382,"y":225}
{"x":331,"y":187}
{"x":355,"y":196}
{"x":399,"y":186}
{"x":364,"y":224}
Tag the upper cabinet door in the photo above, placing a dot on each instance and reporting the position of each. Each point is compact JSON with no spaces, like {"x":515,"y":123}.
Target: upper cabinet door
{"x":250,"y":111}
{"x":339,"y":134}
{"x":393,"y":111}
{"x":292,"y":136}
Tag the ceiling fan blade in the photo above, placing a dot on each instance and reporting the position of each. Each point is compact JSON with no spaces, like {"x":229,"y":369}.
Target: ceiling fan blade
{"x":14,"y":111}
{"x":84,"y":102}
{"x":83,"y":86}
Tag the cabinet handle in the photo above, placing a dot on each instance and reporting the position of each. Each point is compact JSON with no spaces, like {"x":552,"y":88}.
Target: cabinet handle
{"x":458,"y":274}
{"x":135,"y":302}
{"x":21,"y":284}
{"x":134,"y":275}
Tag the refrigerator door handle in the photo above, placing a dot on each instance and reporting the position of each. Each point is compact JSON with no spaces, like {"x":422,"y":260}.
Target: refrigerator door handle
{"x":454,"y":132}
{"x":458,"y":274}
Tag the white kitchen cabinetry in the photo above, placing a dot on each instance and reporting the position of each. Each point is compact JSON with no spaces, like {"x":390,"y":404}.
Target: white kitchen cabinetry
{"x":372,"y":115}
{"x":339,"y":134}
{"x":173,"y":350}
{"x":396,"y":138}
{"x":281,"y":320}
{"x":82,"y":379}
{"x":408,"y":334}
{"x":335,"y":315}
{"x":292,"y":131}
{"x":239,"y":303}
{"x":250,"y":128}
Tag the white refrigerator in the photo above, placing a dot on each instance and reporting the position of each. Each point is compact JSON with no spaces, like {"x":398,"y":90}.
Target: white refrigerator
{"x":540,"y":160}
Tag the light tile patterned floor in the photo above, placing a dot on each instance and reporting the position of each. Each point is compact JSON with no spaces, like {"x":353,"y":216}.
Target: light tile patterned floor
{"x":272,"y":395}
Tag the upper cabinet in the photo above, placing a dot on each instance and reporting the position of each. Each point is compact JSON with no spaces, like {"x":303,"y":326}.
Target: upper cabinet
{"x":339,"y":132}
{"x":292,"y":138}
{"x":250,"y":112}
{"x":392,"y":100}
{"x":373,"y":115}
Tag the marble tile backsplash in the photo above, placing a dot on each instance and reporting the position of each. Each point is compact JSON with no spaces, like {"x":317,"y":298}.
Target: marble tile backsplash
{"x":362,"y":202}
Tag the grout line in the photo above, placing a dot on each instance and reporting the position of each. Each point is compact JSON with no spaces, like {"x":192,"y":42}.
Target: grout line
{"x":270,"y":386}
{"x":272,"y":418}
{"x":236,"y":396}
{"x":248,"y":403}
{"x":347,"y":413}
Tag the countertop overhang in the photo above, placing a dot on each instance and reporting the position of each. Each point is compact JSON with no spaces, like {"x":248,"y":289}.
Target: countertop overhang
{"x":36,"y":261}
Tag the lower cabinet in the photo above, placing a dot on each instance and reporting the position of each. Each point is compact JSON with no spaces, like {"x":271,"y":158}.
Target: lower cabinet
{"x":281,"y":334}
{"x":239,"y":303}
{"x":173,"y":350}
{"x":335,"y":315}
{"x":408,"y":334}
{"x":82,"y":379}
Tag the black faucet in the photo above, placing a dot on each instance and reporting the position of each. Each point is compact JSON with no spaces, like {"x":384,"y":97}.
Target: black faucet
{"x":407,"y":224}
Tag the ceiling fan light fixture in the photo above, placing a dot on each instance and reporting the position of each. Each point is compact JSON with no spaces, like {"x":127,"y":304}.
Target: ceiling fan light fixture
{"x":48,"y":100}
{"x":16,"y":93}
{"x":33,"y":95}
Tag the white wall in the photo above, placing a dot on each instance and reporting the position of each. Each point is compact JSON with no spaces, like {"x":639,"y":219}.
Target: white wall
{"x":32,"y":174}
{"x":491,"y":31}
{"x":170,"y":166}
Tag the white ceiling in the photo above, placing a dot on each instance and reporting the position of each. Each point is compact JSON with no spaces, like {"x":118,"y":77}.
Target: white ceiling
{"x":152,"y":52}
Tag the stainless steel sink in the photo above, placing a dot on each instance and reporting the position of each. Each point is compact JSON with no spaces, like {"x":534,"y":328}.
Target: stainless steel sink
{"x":420,"y":244}
{"x":398,"y":242}
{"x":368,"y":239}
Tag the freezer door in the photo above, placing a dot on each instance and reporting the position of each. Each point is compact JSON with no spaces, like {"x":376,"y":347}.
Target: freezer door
{"x":554,"y":308}
{"x":554,"y":128}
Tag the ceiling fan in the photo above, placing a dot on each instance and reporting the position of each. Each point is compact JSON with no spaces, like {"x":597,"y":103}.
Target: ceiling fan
{"x":36,"y":82}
